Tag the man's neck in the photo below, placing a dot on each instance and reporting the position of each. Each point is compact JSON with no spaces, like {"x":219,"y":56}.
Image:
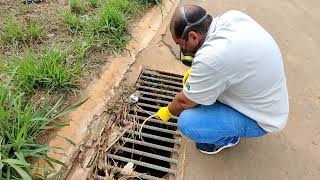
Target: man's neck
{"x":202,"y":41}
{"x":204,"y":36}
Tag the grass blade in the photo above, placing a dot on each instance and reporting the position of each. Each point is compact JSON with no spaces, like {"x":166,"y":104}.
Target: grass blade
{"x":21,"y":172}
{"x":68,"y":140}
{"x":71,"y":108}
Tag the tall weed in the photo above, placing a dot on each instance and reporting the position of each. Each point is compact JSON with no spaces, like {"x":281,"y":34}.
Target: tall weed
{"x":20,"y":123}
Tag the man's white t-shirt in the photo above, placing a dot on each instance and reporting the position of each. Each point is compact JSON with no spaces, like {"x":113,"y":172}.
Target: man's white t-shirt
{"x":240,"y":65}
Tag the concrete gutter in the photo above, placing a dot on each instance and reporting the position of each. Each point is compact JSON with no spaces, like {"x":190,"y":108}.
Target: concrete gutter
{"x":102,"y":89}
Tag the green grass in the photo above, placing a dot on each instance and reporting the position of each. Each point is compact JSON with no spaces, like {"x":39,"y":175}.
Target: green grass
{"x":127,"y":8}
{"x":13,"y":31}
{"x":73,"y":22}
{"x":110,"y":20}
{"x":111,"y":44}
{"x":21,"y":122}
{"x":77,"y":6}
{"x":108,"y":24}
{"x":93,"y":3}
{"x":81,"y":46}
{"x":49,"y":70}
{"x":34,"y":31}
{"x":149,"y":2}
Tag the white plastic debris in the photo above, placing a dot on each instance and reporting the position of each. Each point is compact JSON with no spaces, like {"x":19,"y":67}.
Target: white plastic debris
{"x":128,"y":168}
{"x":134,"y":98}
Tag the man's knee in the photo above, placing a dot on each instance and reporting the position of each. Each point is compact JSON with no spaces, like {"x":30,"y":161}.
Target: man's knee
{"x":191,"y":126}
{"x":185,"y":122}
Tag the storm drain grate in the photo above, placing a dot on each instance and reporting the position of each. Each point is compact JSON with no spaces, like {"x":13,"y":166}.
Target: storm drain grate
{"x":155,"y":156}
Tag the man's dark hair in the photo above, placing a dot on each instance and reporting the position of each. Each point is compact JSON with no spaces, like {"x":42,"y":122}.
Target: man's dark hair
{"x":193,"y":14}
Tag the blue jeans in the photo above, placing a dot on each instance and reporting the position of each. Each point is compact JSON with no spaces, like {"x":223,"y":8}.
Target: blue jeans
{"x":217,"y":124}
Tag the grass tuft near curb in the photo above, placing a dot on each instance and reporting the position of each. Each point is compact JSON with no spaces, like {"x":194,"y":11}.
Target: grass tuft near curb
{"x":48,"y":70}
{"x":13,"y":31}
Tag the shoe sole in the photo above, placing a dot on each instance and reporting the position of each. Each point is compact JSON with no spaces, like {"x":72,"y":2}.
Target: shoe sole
{"x":224,"y":147}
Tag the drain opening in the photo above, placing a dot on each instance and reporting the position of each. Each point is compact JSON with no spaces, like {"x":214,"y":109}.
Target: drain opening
{"x":154,"y":157}
{"x":146,"y":154}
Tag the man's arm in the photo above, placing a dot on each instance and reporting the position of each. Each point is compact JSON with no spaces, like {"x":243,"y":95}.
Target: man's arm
{"x":179,"y":103}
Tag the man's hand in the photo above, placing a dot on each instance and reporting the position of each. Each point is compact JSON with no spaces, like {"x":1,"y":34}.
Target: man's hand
{"x":180,"y":103}
{"x":164,"y":114}
{"x":186,"y":75}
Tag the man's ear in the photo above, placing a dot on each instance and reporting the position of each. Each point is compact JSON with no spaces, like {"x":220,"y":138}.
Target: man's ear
{"x":194,"y":36}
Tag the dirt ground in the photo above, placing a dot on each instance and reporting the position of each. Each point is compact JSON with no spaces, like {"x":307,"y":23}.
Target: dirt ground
{"x":293,"y":153}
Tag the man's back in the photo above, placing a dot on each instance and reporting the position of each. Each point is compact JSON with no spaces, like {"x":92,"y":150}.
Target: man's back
{"x":245,"y":69}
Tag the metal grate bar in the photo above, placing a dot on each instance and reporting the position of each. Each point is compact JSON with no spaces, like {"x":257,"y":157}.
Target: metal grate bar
{"x":165,"y":73}
{"x":148,"y":165}
{"x":144,"y":176}
{"x":156,"y":89}
{"x":160,"y":129}
{"x":179,"y":84}
{"x":145,"y":111}
{"x":143,"y":143}
{"x":161,"y":85}
{"x":150,"y":155}
{"x":145,"y":114}
{"x":156,"y":95}
{"x":154,"y":137}
{"x":148,"y":105}
{"x":154,"y":100}
{"x":162,"y":75}
{"x":152,"y":120}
